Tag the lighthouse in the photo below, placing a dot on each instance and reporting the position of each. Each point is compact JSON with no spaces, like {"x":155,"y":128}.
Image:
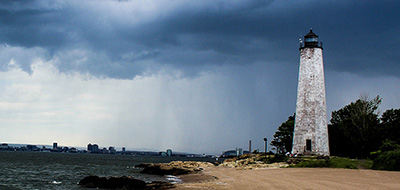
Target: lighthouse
{"x":311,"y":131}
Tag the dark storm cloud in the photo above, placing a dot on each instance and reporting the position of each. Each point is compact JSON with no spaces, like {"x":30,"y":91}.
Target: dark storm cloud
{"x":27,"y":26}
{"x":358,"y":37}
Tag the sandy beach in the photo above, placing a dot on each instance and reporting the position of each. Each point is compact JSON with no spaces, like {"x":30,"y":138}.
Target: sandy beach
{"x":290,"y":178}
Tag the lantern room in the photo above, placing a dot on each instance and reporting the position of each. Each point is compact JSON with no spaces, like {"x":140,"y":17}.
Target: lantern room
{"x":310,"y":41}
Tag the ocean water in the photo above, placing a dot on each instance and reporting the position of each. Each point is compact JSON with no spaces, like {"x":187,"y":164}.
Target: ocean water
{"x":46,"y":170}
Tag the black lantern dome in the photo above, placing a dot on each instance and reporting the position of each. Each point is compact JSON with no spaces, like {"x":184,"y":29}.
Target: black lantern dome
{"x":310,"y":41}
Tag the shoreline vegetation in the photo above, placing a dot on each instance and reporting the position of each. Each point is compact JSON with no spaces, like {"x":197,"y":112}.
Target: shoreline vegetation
{"x":255,"y":171}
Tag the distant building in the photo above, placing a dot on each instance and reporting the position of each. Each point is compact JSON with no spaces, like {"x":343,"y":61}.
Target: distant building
{"x":234,"y":153}
{"x":162,"y":154}
{"x":95,"y":148}
{"x":123,"y":149}
{"x":169,"y":152}
{"x":239,"y":151}
{"x":229,"y":153}
{"x":32,"y":148}
{"x":73,"y":150}
{"x":55,"y":146}
{"x":65,"y":149}
{"x":111,"y":150}
{"x":4,"y":146}
{"x":89,"y":147}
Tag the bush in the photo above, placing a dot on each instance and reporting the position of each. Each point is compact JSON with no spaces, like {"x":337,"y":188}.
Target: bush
{"x":388,"y":157}
{"x":389,"y":160}
{"x":278,"y":158}
{"x":275,"y":158}
{"x":388,"y":145}
{"x":374,"y":155}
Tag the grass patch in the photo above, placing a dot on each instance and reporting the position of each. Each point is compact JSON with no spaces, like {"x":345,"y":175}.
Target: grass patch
{"x":365,"y":164}
{"x":339,"y":162}
{"x":312,"y":164}
{"x":333,"y":162}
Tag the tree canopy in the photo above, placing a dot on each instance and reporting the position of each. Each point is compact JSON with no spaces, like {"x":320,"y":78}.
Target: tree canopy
{"x":354,"y":129}
{"x":283,"y":138}
{"x":391,"y":125}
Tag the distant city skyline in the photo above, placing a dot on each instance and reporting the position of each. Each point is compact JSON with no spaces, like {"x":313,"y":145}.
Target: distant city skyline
{"x":96,"y":149}
{"x":192,"y":76}
{"x":51,"y":145}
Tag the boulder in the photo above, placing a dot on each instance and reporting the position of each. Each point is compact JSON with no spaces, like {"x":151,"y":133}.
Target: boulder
{"x":122,"y":183}
{"x":92,"y":181}
{"x":174,"y":168}
{"x":162,"y":169}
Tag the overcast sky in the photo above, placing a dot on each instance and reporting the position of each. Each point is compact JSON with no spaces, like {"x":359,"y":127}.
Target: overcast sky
{"x":195,"y":76}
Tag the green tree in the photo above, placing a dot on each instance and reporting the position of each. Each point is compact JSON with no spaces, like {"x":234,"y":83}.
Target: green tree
{"x":283,"y":138}
{"x":354,"y":129}
{"x":391,"y":125}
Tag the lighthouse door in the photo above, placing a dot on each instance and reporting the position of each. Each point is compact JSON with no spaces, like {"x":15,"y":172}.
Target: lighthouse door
{"x":308,"y":145}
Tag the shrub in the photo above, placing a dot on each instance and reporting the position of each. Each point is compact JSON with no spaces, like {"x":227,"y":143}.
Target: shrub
{"x":389,"y":160}
{"x":278,"y":158}
{"x":388,"y":145}
{"x":388,"y":157}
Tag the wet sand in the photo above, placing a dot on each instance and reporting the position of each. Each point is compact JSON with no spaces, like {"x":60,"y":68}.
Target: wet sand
{"x":290,"y":178}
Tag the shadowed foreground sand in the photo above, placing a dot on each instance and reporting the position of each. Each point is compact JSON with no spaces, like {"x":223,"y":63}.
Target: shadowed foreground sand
{"x":291,"y":178}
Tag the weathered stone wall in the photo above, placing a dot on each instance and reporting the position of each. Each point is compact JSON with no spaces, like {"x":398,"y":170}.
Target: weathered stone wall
{"x":311,"y":120}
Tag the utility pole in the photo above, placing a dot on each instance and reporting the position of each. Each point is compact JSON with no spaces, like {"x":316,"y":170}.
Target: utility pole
{"x":265,"y":139}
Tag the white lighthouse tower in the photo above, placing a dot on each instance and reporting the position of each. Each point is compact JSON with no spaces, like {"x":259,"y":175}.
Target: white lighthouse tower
{"x":311,"y":130}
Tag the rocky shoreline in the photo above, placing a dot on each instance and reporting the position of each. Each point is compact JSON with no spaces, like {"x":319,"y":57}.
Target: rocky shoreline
{"x":187,"y":171}
{"x":175,"y":168}
{"x":253,"y":171}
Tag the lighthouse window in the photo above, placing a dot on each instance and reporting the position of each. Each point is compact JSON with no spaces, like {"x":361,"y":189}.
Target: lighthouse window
{"x":311,"y":39}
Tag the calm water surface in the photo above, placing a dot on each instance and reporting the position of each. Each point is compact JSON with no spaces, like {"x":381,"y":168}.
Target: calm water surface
{"x":42,"y":170}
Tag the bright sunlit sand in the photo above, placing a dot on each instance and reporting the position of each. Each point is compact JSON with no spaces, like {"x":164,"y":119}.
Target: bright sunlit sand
{"x":294,"y":178}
